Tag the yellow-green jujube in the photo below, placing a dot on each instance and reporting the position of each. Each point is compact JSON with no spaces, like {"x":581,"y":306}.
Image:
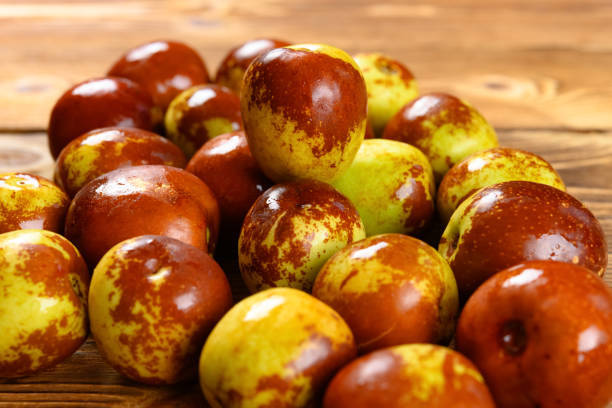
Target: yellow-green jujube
{"x":277,"y":348}
{"x":392,"y":186}
{"x":390,"y":86}
{"x":489,"y":167}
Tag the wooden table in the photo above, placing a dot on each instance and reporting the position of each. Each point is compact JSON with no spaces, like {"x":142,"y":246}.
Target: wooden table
{"x":540,"y":71}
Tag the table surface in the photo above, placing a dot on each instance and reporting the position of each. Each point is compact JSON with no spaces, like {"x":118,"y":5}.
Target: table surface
{"x":538,"y":70}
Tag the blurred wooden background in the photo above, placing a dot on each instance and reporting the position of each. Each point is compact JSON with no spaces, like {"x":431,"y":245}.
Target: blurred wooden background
{"x":539,"y":70}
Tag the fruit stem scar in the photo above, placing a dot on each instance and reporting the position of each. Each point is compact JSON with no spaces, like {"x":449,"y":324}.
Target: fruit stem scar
{"x":513,"y":337}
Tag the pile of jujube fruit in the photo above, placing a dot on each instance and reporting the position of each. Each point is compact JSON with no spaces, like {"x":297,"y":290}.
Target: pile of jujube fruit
{"x":328,"y":177}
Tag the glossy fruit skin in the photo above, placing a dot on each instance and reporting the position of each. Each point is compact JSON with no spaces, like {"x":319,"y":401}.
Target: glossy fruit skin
{"x":291,"y":230}
{"x":43,"y":307}
{"x":98,"y":103}
{"x":392,"y":186}
{"x":142,"y":200}
{"x":304,"y":112}
{"x":488,"y":167}
{"x":231,"y":70}
{"x":163,"y":68}
{"x":391,"y":289}
{"x":549,"y":342}
{"x":390,"y":86}
{"x":28,"y":201}
{"x":276,"y":348}
{"x":103,"y":150}
{"x":444,"y":127}
{"x":517,"y":221}
{"x":153,"y":301}
{"x":226,"y":165}
{"x":413,"y":375}
{"x":201,"y":113}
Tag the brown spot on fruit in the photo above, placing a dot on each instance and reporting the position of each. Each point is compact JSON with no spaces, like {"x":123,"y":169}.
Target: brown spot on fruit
{"x":416,"y":201}
{"x":348,"y":277}
{"x":273,"y":382}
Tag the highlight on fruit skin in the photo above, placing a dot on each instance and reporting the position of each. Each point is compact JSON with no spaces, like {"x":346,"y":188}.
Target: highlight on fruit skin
{"x":304,"y":109}
{"x":410,"y":375}
{"x":391,"y":289}
{"x":488,"y":167}
{"x":445,"y":128}
{"x":43,"y":307}
{"x":279,"y":347}
{"x":548,"y":341}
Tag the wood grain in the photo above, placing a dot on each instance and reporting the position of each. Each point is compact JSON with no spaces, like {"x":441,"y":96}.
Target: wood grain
{"x":522,"y":63}
{"x":538,"y":70}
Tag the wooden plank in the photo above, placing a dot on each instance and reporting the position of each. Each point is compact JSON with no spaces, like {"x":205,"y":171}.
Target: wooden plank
{"x":525,"y":64}
{"x":26,"y":152}
{"x":84,"y":379}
